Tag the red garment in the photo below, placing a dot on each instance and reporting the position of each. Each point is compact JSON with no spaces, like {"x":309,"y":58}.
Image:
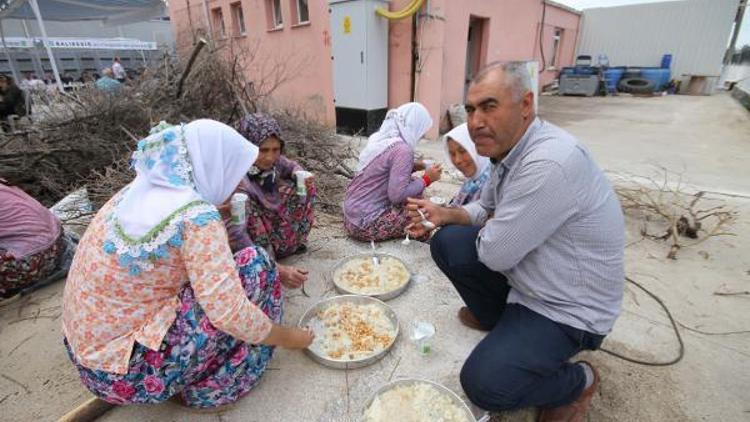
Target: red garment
{"x":26,"y":226}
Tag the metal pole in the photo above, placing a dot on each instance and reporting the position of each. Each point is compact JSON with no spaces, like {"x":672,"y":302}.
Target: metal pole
{"x":34,"y":52}
{"x":736,"y":33}
{"x":7,"y":54}
{"x":35,"y":7}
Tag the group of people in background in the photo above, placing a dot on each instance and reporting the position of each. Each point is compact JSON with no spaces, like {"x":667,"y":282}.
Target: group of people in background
{"x":15,"y":97}
{"x":171,"y":296}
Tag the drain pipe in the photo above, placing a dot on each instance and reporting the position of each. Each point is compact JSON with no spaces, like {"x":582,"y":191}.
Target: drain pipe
{"x":414,"y":58}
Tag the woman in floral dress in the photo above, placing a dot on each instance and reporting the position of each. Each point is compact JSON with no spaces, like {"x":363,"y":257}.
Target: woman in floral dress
{"x":278,"y":218}
{"x":155,"y":305}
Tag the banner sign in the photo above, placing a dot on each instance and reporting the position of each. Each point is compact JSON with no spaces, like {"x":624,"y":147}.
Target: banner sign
{"x":82,"y":43}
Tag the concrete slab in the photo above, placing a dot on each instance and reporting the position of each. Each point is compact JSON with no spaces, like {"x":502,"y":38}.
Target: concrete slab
{"x":711,"y":383}
{"x":708,"y":138}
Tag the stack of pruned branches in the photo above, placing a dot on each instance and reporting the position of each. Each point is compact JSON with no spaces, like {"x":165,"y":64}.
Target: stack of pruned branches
{"x":670,"y":214}
{"x":330,"y":158}
{"x":85,"y":138}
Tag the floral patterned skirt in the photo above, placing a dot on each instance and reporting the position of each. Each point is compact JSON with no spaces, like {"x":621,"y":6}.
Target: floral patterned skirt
{"x":207,"y":367}
{"x":389,"y":225}
{"x":18,"y":274}
{"x":285,"y":230}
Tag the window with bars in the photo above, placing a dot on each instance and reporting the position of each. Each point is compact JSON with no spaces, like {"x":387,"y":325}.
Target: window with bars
{"x":273,"y":12}
{"x":303,"y":12}
{"x":238,"y":16}
{"x":218,"y":22}
{"x":556,"y":39}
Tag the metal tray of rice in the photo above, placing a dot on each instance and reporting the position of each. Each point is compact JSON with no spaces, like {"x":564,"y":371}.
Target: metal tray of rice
{"x":359,"y":275}
{"x":416,"y":400}
{"x":351,"y":331}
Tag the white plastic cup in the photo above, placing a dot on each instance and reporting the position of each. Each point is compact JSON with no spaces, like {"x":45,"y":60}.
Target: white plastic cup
{"x":422,"y":334}
{"x":301,"y":177}
{"x":238,"y":208}
{"x":438,"y":200}
{"x":428,"y":163}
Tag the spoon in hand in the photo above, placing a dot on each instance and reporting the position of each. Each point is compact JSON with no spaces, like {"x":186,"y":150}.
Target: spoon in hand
{"x":429,"y":225}
{"x":406,"y":241}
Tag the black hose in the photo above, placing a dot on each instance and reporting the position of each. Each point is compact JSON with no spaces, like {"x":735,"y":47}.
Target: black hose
{"x":672,"y":321}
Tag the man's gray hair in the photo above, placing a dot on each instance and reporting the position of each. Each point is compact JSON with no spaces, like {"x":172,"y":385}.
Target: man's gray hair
{"x":516,"y":76}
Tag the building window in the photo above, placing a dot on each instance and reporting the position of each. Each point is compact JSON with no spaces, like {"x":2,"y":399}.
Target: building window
{"x":556,"y":48}
{"x":239,"y":19}
{"x":218,"y":21}
{"x":302,"y":11}
{"x":273,"y":13}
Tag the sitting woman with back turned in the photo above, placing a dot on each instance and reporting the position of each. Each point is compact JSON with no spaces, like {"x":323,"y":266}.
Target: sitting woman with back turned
{"x":375,"y":198}
{"x":34,"y":249}
{"x":461,"y":152}
{"x":155,"y":305}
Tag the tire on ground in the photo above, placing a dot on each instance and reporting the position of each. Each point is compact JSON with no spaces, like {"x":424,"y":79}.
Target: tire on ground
{"x":636,"y":86}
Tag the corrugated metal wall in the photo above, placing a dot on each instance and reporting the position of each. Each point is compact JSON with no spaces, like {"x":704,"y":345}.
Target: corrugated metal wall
{"x":695,"y":32}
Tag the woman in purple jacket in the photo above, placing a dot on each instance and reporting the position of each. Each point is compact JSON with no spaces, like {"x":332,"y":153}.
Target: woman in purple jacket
{"x":375,"y":199}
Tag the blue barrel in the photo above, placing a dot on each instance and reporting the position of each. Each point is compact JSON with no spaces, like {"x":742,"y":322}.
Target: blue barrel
{"x":585,"y":70}
{"x":612,"y":77}
{"x":568,"y":71}
{"x":666,"y":61}
{"x":660,"y":77}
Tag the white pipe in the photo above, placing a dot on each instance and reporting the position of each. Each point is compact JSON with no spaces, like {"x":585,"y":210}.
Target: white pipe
{"x":209,"y":31}
{"x":39,"y":68}
{"x":35,"y":7}
{"x":7,"y":54}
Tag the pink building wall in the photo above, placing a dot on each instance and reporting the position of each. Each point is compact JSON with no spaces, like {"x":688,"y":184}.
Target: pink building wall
{"x":511,"y":33}
{"x":304,"y":50}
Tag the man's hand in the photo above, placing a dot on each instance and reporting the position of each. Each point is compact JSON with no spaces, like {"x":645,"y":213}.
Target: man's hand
{"x":419,"y":166}
{"x":437,"y":215}
{"x":430,"y":211}
{"x":417,"y":231}
{"x":292,"y":277}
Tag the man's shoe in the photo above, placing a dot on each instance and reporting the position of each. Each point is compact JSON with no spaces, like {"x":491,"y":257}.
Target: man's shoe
{"x":576,"y":411}
{"x":469,"y":320}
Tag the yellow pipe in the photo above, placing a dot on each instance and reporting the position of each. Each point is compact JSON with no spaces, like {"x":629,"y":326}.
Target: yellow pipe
{"x":409,"y":10}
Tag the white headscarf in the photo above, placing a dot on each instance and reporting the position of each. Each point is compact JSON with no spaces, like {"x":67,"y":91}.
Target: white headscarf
{"x":461,"y":135}
{"x":408,"y":123}
{"x":202,"y":160}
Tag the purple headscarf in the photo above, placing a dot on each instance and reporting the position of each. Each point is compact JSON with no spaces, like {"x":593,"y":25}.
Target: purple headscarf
{"x":261,"y":185}
{"x":258,"y":127}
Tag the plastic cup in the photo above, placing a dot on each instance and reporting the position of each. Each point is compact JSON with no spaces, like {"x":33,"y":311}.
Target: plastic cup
{"x":428,"y":163}
{"x":301,"y":177}
{"x":422,"y":334}
{"x":238,"y":208}
{"x":437,"y":200}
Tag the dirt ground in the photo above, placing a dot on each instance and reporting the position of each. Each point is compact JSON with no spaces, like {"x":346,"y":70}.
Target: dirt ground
{"x":707,"y":138}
